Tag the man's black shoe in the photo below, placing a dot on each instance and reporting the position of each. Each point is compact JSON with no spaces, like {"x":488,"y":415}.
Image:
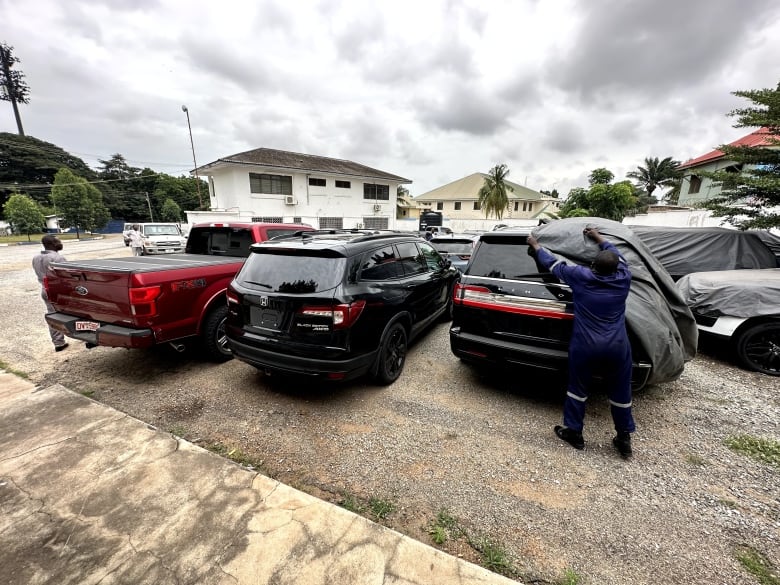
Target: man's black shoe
{"x":622,"y":443}
{"x":572,"y":437}
{"x":61,"y":347}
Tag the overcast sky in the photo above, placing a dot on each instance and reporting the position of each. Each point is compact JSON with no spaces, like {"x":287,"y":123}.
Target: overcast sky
{"x":432,"y":90}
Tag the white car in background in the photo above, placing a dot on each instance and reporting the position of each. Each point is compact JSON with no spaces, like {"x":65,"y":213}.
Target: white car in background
{"x":741,"y":306}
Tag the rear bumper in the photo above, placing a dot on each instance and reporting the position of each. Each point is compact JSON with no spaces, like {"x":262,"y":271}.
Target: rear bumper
{"x":287,"y":363}
{"x":106,"y":335}
{"x":491,"y":352}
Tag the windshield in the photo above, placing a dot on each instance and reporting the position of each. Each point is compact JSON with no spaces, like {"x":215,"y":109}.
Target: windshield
{"x":291,"y":273}
{"x":161,"y":230}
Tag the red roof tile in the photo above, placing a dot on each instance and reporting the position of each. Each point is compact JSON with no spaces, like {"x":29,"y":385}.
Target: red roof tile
{"x":760,"y":137}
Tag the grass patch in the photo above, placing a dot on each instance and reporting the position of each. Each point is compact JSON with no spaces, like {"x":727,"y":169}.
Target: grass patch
{"x":87,"y":393}
{"x":178,"y":431}
{"x":763,"y":450}
{"x":444,"y":527}
{"x":351,"y":503}
{"x":236,"y":455}
{"x":10,"y":370}
{"x":694,"y":459}
{"x":380,"y":508}
{"x":757,"y":565}
{"x":494,"y":556}
{"x":570,"y":577}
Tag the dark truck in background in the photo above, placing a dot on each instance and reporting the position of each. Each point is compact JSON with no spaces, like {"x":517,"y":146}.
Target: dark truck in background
{"x":142,"y":301}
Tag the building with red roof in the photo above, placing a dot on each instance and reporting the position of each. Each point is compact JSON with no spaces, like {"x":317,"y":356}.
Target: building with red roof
{"x":696,"y":187}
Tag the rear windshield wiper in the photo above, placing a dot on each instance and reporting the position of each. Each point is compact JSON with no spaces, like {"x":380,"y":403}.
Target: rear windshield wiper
{"x":264,"y":285}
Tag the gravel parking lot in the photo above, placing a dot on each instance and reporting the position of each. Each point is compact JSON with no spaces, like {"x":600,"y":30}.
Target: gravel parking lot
{"x":481,"y":449}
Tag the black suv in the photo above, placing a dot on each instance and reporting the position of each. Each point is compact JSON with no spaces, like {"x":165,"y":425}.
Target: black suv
{"x":510,"y":311}
{"x":337,"y":304}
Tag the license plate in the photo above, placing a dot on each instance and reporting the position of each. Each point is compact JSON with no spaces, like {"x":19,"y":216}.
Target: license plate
{"x":87,"y":326}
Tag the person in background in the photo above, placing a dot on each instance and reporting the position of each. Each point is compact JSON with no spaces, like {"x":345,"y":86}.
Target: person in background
{"x":136,"y":240}
{"x":50,"y":253}
{"x":599,"y":343}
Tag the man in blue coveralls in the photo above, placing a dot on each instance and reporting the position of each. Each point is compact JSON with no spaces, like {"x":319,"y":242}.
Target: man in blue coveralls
{"x":599,"y":343}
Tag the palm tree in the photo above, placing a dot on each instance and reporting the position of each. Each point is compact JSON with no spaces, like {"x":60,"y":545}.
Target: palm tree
{"x":656,"y":174}
{"x":493,"y":194}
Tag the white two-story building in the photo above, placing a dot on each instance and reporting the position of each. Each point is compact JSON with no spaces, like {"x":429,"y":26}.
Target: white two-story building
{"x":288,"y":187}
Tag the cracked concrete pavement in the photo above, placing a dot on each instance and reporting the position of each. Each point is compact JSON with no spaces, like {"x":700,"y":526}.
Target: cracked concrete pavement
{"x":91,"y":495}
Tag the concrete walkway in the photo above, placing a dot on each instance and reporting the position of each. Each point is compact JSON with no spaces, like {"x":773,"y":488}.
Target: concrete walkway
{"x":91,"y":495}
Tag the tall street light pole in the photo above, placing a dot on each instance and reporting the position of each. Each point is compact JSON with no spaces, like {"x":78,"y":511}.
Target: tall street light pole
{"x":192,"y":144}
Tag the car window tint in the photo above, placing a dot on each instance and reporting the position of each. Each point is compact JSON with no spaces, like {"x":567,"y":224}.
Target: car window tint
{"x":412,"y":259}
{"x":504,"y":257}
{"x":453,"y":247}
{"x":279,"y":271}
{"x":381,"y":264}
{"x":432,"y":258}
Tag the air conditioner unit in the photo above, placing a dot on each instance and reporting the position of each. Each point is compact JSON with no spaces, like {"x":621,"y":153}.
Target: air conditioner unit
{"x":377,"y":207}
{"x":290,"y":200}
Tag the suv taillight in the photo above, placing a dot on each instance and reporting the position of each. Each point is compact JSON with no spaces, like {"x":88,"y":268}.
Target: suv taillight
{"x":481,"y":297}
{"x":143,"y":300}
{"x":342,"y":316}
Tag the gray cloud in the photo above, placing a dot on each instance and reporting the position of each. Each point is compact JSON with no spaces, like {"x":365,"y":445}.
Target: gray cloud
{"x":564,"y":136}
{"x":464,"y":109}
{"x":648,"y":48}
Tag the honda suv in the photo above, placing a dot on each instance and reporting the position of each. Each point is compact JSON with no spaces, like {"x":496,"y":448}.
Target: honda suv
{"x":337,"y":304}
{"x":509,"y":311}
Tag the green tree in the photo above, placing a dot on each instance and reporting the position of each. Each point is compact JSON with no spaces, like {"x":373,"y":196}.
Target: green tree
{"x":750,"y":189}
{"x":170,"y":211}
{"x":656,"y":173}
{"x":493,"y":198}
{"x":13,"y":88}
{"x":602,"y":199}
{"x":78,"y":203}
{"x":28,"y":164}
{"x":24,"y":214}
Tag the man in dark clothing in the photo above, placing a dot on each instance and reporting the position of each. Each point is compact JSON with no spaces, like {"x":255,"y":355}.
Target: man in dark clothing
{"x":599,"y":343}
{"x":51,"y":253}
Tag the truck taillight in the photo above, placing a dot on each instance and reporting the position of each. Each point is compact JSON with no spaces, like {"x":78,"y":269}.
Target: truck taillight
{"x":46,"y":285}
{"x":481,"y":297}
{"x":342,"y":316}
{"x":143,"y":300}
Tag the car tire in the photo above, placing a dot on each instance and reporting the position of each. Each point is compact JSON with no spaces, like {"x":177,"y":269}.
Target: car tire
{"x":392,"y":355}
{"x":758,"y":348}
{"x":213,"y":335}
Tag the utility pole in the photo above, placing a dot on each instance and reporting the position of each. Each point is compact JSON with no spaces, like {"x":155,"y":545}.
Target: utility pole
{"x":149,"y":203}
{"x":192,"y":144}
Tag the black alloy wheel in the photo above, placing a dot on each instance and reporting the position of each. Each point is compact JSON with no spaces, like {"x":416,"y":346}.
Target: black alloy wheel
{"x":392,"y":355}
{"x":214,"y":337}
{"x":758,"y":348}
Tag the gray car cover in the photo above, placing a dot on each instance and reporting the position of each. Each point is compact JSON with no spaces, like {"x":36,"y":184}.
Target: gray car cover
{"x":732,"y":293}
{"x":683,"y":250}
{"x":656,"y":313}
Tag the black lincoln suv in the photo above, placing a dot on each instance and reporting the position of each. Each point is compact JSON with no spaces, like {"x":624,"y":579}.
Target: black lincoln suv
{"x":337,"y":304}
{"x":509,"y":311}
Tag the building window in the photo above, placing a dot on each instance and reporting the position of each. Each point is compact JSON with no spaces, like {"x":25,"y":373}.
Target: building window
{"x":316,"y":182}
{"x":439,"y":206}
{"x":517,"y":205}
{"x":296,"y":220}
{"x":457,"y":206}
{"x":477,"y":206}
{"x":268,"y":219}
{"x":375,"y":223}
{"x":343,"y":185}
{"x":270,"y":184}
{"x":376,"y":192}
{"x":331,"y":223}
{"x":695,"y":184}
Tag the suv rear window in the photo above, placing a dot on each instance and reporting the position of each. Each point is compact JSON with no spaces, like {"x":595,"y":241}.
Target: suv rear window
{"x":225,"y":241}
{"x":505,"y":257}
{"x":287,"y":271}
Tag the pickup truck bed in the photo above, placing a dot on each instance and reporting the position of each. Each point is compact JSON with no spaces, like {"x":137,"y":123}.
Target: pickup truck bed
{"x":141,"y":301}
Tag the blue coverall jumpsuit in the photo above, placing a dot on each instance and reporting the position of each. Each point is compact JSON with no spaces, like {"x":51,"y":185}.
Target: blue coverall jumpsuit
{"x":599,"y":342}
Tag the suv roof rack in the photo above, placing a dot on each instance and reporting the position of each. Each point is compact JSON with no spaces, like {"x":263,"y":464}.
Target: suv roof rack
{"x":353,"y":234}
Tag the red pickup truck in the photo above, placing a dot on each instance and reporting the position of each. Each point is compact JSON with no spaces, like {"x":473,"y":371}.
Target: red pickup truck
{"x":141,"y":301}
